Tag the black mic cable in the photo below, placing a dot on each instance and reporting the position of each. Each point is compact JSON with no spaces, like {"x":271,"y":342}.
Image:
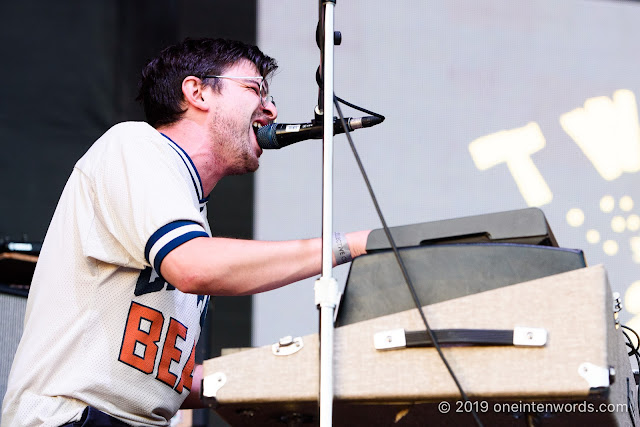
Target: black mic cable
{"x":405,"y":273}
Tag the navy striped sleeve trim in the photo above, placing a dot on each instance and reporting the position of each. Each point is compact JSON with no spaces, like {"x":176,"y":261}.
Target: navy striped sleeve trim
{"x":169,"y":237}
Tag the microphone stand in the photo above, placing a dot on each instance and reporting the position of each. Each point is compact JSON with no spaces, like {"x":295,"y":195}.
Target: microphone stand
{"x":326,"y":287}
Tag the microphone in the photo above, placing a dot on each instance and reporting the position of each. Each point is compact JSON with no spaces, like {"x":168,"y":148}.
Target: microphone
{"x":278,"y":135}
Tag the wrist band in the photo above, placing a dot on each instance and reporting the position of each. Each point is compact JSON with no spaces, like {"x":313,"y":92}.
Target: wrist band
{"x":341,"y":248}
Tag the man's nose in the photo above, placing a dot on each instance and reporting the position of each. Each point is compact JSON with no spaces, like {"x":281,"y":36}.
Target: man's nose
{"x":270,"y":110}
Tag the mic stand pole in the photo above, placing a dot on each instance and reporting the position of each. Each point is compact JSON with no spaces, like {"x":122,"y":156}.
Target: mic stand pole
{"x":326,"y":287}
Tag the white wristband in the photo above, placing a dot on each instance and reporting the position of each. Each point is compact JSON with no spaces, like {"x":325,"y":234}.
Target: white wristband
{"x":341,"y":248}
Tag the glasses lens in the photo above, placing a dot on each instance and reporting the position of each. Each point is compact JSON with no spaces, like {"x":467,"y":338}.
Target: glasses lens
{"x":264,"y":93}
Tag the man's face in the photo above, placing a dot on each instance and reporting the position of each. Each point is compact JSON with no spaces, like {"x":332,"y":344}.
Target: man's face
{"x":237,"y":114}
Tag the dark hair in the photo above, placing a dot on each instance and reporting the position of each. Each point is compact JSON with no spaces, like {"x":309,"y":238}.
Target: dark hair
{"x":161,"y":82}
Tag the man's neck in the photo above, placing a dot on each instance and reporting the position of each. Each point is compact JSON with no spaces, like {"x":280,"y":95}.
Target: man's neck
{"x":191,"y":138}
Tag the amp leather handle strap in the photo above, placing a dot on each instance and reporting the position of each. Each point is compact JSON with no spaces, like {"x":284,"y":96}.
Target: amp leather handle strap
{"x":518,"y":336}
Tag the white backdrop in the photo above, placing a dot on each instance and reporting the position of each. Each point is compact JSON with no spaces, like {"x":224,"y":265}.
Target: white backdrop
{"x":491,"y":105}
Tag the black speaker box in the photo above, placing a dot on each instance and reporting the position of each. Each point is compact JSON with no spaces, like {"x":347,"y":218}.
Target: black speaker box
{"x":376,"y":287}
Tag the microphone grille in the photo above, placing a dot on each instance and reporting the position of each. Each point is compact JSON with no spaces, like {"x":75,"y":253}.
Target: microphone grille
{"x":266,"y":137}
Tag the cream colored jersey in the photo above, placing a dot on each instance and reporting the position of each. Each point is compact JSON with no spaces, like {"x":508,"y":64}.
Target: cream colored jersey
{"x":101,"y":327}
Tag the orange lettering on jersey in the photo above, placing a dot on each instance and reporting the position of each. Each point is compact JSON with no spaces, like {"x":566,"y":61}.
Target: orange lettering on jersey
{"x":170,"y":352}
{"x":143,"y":330}
{"x":186,"y":379}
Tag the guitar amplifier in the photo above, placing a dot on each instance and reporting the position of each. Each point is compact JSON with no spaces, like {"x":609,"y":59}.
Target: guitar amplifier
{"x":16,"y":270}
{"x":579,"y":374}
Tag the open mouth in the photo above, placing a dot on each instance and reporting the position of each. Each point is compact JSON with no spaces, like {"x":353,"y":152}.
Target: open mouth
{"x":256,"y":127}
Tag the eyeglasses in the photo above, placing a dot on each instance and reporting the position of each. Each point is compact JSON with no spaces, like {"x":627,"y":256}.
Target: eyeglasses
{"x":263,"y":93}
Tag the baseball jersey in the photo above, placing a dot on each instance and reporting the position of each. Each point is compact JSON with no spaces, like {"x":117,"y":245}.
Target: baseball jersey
{"x":102,"y":328}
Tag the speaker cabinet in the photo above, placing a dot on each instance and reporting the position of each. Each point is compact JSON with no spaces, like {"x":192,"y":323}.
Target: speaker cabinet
{"x":583,"y":368}
{"x":12,"y":308}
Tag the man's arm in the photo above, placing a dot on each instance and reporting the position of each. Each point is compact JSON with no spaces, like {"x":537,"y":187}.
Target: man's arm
{"x":219,"y":266}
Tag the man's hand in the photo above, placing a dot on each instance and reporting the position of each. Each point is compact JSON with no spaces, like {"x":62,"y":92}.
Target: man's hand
{"x":358,"y":242}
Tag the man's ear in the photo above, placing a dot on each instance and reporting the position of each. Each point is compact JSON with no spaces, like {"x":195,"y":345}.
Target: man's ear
{"x":193,"y":90}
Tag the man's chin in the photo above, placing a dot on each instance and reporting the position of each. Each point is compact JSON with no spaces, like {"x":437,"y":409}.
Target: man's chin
{"x":254,"y":167}
{"x":249,"y":166}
